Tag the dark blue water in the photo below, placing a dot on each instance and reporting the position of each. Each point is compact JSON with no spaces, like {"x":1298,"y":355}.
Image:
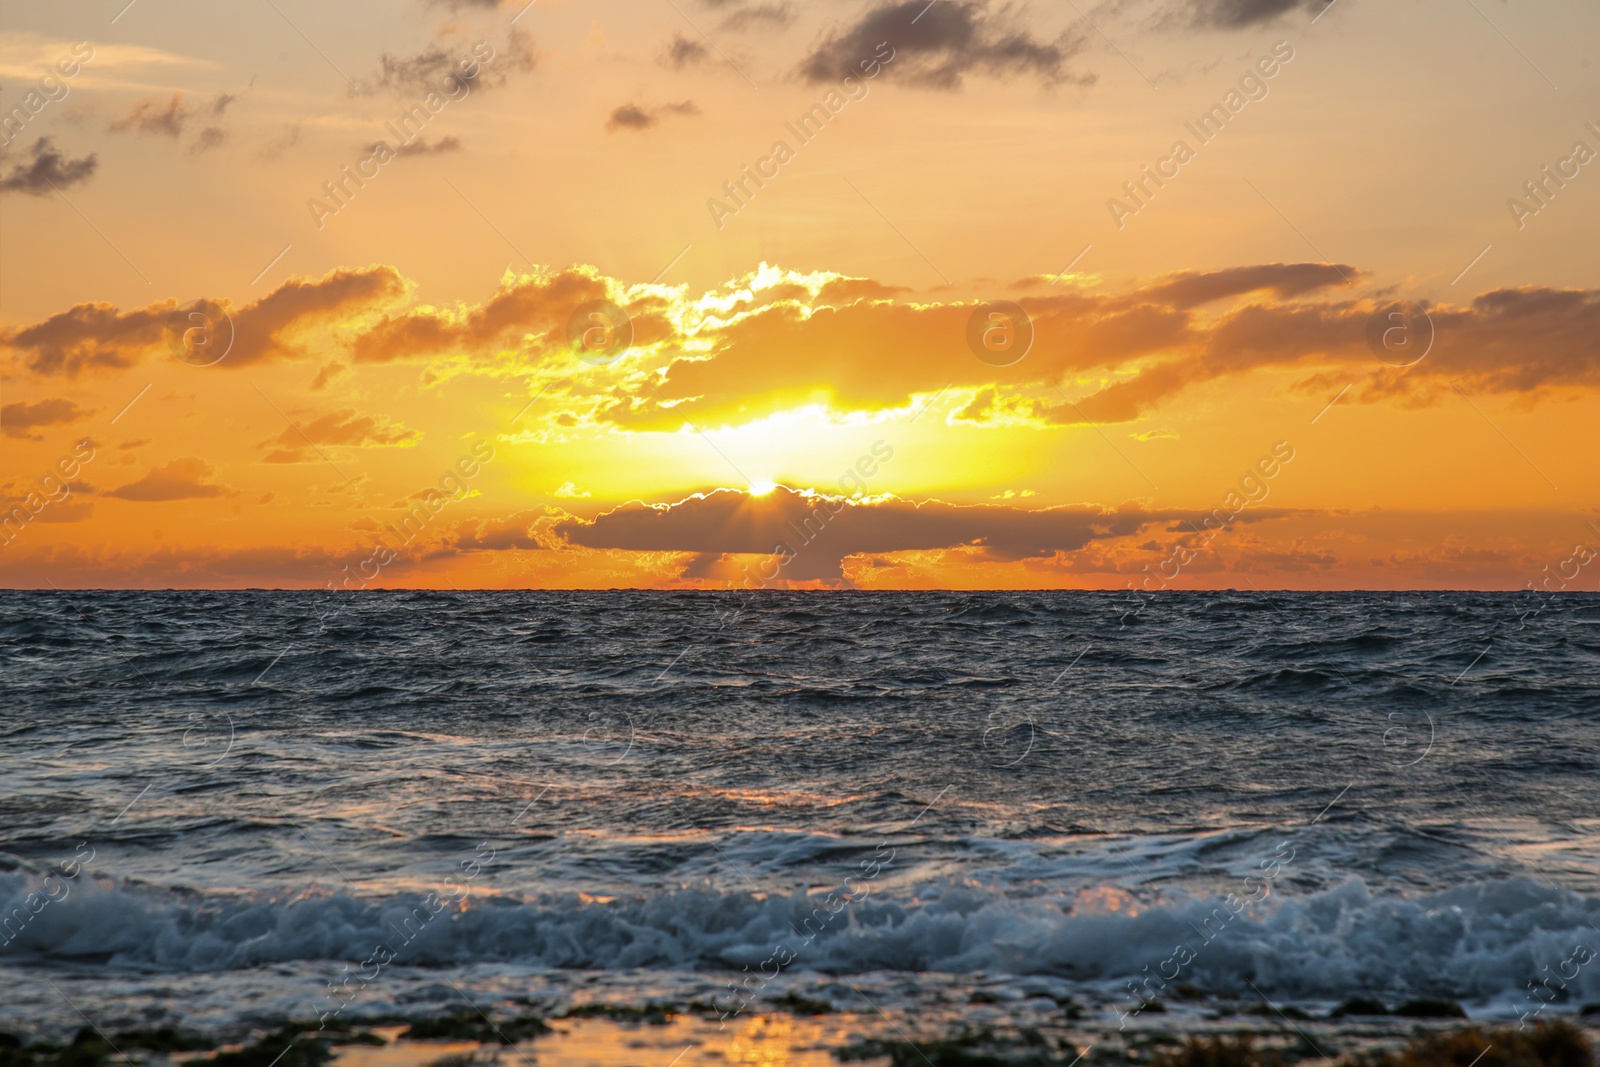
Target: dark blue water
{"x":243,"y":792}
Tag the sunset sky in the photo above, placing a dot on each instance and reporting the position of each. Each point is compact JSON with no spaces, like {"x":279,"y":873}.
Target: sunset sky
{"x":1309,"y":294}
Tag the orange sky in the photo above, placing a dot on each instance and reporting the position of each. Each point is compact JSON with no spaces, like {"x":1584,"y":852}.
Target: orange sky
{"x":1210,"y":294}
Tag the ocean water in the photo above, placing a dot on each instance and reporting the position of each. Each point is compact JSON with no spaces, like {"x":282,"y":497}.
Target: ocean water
{"x":228,"y":807}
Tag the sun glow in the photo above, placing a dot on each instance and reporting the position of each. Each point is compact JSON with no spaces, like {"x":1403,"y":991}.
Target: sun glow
{"x":761,"y":487}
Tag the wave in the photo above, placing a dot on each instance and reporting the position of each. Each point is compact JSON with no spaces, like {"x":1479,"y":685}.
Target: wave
{"x":1482,"y":940}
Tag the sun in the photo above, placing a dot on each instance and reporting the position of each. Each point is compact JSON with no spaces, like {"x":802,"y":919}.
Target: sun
{"x":762,"y":487}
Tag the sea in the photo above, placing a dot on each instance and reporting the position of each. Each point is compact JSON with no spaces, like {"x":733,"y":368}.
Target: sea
{"x":227,"y":808}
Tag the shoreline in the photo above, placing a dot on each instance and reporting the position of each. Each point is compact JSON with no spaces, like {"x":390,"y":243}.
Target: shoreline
{"x":1205,"y":1032}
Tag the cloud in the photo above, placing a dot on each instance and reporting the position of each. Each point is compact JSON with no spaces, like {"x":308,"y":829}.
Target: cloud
{"x":283,"y":142}
{"x":1193,"y":288}
{"x":634,"y":117}
{"x":181,"y":479}
{"x":422,"y":147}
{"x":526,"y":314}
{"x":444,"y":67}
{"x":868,"y":354}
{"x":89,"y":335}
{"x":168,"y":116}
{"x":818,"y":531}
{"x":1506,"y":341}
{"x":297,"y":444}
{"x":432,"y":70}
{"x":758,"y":16}
{"x":68,"y":511}
{"x":152,"y":116}
{"x":938,"y":45}
{"x":18,"y":419}
{"x":1238,"y":14}
{"x":210,"y":137}
{"x":499,"y":535}
{"x":291,"y":321}
{"x":49,"y":171}
{"x":328,"y":372}
{"x":682,"y":52}
{"x":773,"y":340}
{"x":1149,"y":342}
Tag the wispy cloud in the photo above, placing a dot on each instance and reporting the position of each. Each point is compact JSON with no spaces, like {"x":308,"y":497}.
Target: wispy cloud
{"x":637,"y":118}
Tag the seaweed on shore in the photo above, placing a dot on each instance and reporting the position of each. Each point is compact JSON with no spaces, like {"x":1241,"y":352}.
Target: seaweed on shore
{"x":795,"y":1004}
{"x":290,"y":1045}
{"x":1431,"y":1009}
{"x":1544,"y":1044}
{"x":1421,"y":1008}
{"x":90,"y":1047}
{"x":472,"y":1026}
{"x":458,"y":1059}
{"x":981,"y":1048}
{"x":651,"y":1013}
{"x":166,"y":1039}
{"x":286,"y":1047}
{"x":1288,"y":1011}
{"x":1216,"y":1052}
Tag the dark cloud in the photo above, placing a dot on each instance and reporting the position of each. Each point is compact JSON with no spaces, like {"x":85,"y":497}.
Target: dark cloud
{"x":100,"y":336}
{"x":431,"y":70}
{"x":22,"y":418}
{"x":1505,"y":341}
{"x":682,"y":52}
{"x":528,"y":315}
{"x":630,"y":117}
{"x":422,"y":147}
{"x":1237,"y":14}
{"x":937,"y":45}
{"x":271,"y":327}
{"x":1193,"y":288}
{"x":499,"y":535}
{"x":182,"y":479}
{"x":50,"y":170}
{"x":820,"y":531}
{"x":634,"y":117}
{"x":90,"y":335}
{"x":210,"y":137}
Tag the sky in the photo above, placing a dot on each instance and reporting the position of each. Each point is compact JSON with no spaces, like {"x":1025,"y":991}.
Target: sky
{"x":1149,"y":294}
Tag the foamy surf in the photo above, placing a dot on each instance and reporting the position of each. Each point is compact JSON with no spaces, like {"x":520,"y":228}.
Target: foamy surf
{"x":1483,"y":941}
